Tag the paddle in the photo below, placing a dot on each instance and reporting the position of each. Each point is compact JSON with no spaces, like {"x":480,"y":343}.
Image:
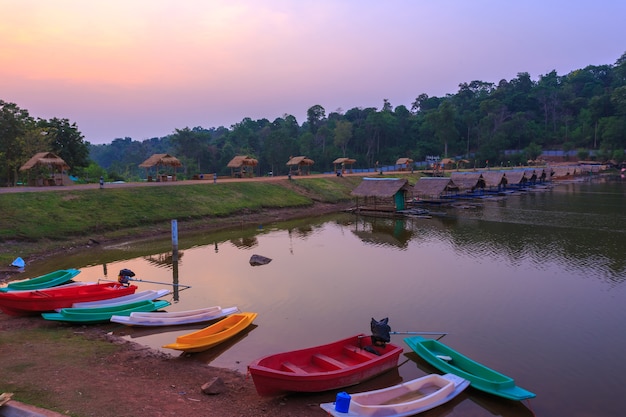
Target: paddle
{"x":151,"y":282}
{"x":442,"y":334}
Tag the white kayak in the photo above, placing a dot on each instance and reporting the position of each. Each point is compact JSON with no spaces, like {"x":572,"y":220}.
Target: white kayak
{"x":405,"y":399}
{"x":174,"y":318}
{"x":130,"y":298}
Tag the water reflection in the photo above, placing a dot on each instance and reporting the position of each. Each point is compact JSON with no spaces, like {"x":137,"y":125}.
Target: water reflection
{"x":383,"y":232}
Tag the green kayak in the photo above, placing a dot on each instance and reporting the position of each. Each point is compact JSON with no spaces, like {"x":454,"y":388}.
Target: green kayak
{"x":49,"y":280}
{"x":104,"y":314}
{"x":450,"y":361}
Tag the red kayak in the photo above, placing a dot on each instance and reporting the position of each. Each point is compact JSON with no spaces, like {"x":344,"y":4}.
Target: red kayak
{"x":37,"y":301}
{"x":321,"y":368}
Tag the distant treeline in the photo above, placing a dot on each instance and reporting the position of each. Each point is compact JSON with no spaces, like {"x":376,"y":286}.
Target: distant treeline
{"x":582,"y":111}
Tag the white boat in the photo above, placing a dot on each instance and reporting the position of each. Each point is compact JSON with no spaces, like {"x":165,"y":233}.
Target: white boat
{"x":184,"y":313}
{"x":174,"y":318}
{"x":131,"y":298}
{"x":405,"y":399}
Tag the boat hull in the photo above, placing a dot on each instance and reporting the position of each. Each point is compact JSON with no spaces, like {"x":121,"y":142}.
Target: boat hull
{"x":405,"y":399}
{"x":38,"y":301}
{"x":103,"y":314}
{"x":214,"y":334}
{"x":130,"y":298}
{"x":174,"y":319}
{"x":481,"y":377}
{"x":335,"y":365}
{"x":49,"y":280}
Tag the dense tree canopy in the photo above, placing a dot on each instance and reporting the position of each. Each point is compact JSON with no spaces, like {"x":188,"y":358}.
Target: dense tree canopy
{"x":512,"y":120}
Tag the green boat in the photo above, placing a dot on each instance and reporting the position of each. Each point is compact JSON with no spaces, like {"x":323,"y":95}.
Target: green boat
{"x":103,"y":314}
{"x":482,"y":378}
{"x":51,"y":279}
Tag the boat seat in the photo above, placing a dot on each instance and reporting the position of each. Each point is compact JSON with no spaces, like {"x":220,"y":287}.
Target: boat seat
{"x":358,"y":353}
{"x":288,"y":366}
{"x":328,"y":362}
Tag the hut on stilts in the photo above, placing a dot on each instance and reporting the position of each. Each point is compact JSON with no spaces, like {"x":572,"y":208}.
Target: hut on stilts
{"x":381,"y":194}
{"x":242,"y":166}
{"x":159,"y":161}
{"x":299,"y":165}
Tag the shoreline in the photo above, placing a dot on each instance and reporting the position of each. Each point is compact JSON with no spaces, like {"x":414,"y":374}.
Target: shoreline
{"x":212,"y":224}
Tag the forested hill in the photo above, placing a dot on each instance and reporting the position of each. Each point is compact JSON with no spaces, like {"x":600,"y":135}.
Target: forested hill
{"x":583,"y":111}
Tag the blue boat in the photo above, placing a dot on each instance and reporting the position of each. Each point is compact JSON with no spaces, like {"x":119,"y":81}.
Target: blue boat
{"x":481,"y":377}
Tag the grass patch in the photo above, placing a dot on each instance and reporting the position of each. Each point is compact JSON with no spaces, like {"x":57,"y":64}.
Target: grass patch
{"x":329,"y":190}
{"x":38,"y":221}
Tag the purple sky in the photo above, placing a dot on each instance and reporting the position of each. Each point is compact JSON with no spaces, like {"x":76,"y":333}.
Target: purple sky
{"x":142,"y":69}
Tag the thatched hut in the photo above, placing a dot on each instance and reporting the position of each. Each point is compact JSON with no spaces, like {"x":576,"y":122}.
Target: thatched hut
{"x":448,"y":163}
{"x":299,"y":165}
{"x":242,"y":166}
{"x":562,"y":172}
{"x":405,"y":164}
{"x":532,"y":175}
{"x":434,"y":189}
{"x":161,"y":160}
{"x":382,"y":194}
{"x":516,"y":178}
{"x":494,"y":180}
{"x":340,"y":165}
{"x":47,"y":169}
{"x":468,"y":182}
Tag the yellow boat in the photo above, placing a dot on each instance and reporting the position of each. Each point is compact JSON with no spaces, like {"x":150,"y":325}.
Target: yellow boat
{"x":214,"y":334}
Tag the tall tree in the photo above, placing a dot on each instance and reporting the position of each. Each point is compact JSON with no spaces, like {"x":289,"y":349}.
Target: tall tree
{"x":315,"y":116}
{"x":14,"y":123}
{"x":66,"y":141}
{"x":343,"y":134}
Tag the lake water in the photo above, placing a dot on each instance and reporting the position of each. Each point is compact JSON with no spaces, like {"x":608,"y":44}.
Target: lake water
{"x":532,"y":285}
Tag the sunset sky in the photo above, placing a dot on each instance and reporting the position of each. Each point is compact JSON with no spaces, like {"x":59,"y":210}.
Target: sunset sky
{"x":143,"y":68}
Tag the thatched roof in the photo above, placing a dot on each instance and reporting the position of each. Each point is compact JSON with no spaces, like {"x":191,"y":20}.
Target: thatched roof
{"x":300,"y":160}
{"x":434,"y":187}
{"x":45,"y":159}
{"x":494,"y":178}
{"x":380,"y":187}
{"x":345,"y":161}
{"x":468,"y":180}
{"x":242,"y":160}
{"x":161,"y":159}
{"x":563,"y":171}
{"x":404,"y":161}
{"x":516,"y":177}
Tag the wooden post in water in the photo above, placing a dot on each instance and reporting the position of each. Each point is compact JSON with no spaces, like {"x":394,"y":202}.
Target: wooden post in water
{"x":175,"y":259}
{"x":174,"y":234}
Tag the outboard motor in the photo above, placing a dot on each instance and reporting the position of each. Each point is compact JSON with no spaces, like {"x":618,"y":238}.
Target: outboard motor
{"x":125,"y":276}
{"x":380,"y":332}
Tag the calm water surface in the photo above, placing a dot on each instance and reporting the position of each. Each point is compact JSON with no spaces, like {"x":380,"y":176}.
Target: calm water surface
{"x":532,"y":285}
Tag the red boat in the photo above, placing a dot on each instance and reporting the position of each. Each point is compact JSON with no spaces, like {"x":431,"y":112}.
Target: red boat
{"x":321,"y":368}
{"x":36,"y":301}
